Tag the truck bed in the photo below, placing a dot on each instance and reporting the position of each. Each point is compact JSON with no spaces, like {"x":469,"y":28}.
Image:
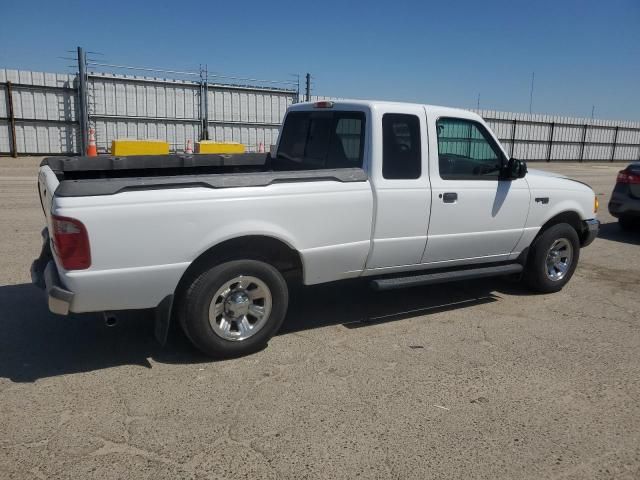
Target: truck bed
{"x":108,"y":175}
{"x":76,"y":168}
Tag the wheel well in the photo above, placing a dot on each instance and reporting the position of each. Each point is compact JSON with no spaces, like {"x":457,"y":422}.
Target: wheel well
{"x":253,"y":247}
{"x":570,"y":217}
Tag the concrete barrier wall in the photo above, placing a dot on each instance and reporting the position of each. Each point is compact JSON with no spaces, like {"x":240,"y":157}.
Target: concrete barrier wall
{"x":124,"y":106}
{"x":44,"y":105}
{"x":143,"y":107}
{"x":557,"y":138}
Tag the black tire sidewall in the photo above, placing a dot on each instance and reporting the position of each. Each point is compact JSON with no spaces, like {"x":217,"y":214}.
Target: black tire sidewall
{"x":536,"y":274}
{"x":194,"y":311}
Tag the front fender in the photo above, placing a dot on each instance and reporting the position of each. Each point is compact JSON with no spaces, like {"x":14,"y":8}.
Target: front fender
{"x":555,"y":209}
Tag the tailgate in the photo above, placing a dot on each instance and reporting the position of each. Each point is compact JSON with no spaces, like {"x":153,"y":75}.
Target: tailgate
{"x":44,"y":272}
{"x":47,"y":184}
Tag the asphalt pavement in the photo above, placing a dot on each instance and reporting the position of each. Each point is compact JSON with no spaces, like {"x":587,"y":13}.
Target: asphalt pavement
{"x":479,"y":379}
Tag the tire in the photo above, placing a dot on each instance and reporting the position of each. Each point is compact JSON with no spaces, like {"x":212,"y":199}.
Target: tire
{"x":229,"y":325}
{"x":539,"y":274}
{"x":628,"y":224}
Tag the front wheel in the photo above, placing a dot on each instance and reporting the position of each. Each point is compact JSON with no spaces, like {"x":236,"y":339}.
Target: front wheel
{"x":553,"y":259}
{"x":234,"y":308}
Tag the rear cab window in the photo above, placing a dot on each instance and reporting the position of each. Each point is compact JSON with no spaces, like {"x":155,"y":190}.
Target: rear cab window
{"x":312,"y":140}
{"x":401,"y":150}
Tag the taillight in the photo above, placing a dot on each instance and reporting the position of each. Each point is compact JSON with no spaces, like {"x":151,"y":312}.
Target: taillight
{"x":628,"y":176}
{"x":71,"y":243}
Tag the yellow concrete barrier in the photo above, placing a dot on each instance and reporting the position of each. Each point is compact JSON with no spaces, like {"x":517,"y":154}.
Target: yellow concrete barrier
{"x":209,"y":146}
{"x":126,"y":147}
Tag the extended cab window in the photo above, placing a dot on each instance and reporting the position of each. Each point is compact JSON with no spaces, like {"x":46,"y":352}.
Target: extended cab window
{"x":466,"y":151}
{"x":322,"y":139}
{"x":401,"y":154}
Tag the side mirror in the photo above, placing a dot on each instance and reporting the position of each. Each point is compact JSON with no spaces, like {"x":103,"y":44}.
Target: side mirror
{"x":515,"y":169}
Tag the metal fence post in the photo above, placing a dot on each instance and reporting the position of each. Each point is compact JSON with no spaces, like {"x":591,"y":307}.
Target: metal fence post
{"x":513,"y":136}
{"x":584,"y":138}
{"x":613,"y":147}
{"x":308,"y":89}
{"x":553,"y":126}
{"x":206,"y":106}
{"x":204,"y":103}
{"x":12,"y":121}
{"x":82,"y":100}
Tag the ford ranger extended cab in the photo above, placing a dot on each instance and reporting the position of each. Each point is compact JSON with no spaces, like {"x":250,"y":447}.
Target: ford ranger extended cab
{"x":399,"y":194}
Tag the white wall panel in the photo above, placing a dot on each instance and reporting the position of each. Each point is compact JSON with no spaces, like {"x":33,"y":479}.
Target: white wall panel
{"x":629,"y":136}
{"x":5,"y":139}
{"x":39,"y":99}
{"x":597,"y":152}
{"x":627,"y":153}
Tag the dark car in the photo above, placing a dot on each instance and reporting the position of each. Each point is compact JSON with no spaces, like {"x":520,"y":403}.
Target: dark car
{"x":625,"y":199}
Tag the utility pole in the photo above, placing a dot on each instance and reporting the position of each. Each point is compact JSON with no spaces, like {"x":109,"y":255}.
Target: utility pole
{"x":533,"y":76}
{"x":308,"y":89}
{"x":478,"y":106}
{"x":83,"y":104}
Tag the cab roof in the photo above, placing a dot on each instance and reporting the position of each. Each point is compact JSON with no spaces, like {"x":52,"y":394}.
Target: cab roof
{"x":374,"y":104}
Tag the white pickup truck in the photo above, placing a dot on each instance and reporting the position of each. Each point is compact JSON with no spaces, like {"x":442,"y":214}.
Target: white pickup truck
{"x":399,"y":194}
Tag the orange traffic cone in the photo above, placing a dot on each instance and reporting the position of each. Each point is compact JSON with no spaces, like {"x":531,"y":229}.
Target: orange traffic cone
{"x":92,"y":150}
{"x":261,"y":148}
{"x":189,"y":149}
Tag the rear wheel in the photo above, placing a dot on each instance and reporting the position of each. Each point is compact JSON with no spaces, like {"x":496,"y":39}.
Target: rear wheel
{"x":553,"y":258}
{"x":234,"y":308}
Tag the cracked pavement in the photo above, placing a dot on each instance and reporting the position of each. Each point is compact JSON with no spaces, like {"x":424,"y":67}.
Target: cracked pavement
{"x":469,"y":380}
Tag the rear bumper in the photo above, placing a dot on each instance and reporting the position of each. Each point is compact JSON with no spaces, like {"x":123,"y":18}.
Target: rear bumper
{"x":59,"y":299}
{"x":590,"y":231}
{"x":624,"y":205}
{"x":45,"y":275}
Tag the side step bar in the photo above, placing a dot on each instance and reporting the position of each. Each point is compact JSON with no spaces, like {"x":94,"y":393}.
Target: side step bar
{"x":443,"y":277}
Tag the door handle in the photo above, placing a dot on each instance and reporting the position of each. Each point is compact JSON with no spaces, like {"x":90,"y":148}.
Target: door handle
{"x":449,"y":197}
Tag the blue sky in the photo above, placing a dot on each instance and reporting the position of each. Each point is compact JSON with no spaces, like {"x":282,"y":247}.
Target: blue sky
{"x":584,"y":53}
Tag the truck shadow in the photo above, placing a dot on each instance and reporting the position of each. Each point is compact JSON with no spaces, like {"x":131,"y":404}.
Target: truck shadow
{"x":353,"y":304}
{"x":36,"y":344}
